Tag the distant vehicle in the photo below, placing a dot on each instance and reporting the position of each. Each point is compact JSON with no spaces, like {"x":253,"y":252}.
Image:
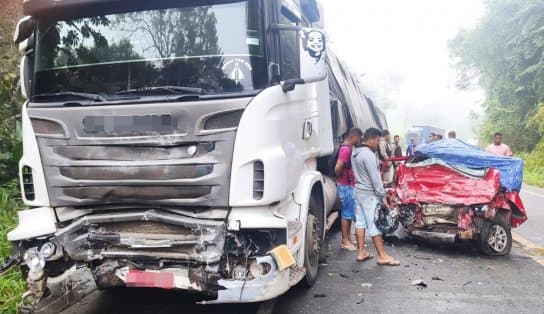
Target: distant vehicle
{"x":421,"y":133}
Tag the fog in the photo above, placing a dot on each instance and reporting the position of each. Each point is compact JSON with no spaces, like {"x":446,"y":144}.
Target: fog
{"x":399,"y":51}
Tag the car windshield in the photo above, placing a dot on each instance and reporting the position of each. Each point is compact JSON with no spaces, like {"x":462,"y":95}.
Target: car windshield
{"x":216,"y":48}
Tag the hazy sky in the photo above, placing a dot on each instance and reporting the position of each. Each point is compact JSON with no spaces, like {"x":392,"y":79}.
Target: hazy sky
{"x":401,"y":48}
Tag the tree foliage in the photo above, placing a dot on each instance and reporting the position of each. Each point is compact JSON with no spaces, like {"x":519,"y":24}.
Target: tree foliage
{"x":504,"y":54}
{"x":10,"y":101}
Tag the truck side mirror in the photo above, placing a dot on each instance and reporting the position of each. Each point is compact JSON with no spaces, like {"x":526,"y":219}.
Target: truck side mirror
{"x":23,"y":36}
{"x":24,"y":29}
{"x":312,"y":59}
{"x":25,"y":76}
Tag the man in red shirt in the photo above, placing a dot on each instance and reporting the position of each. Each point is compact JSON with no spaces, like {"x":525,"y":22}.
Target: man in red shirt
{"x":345,"y":184}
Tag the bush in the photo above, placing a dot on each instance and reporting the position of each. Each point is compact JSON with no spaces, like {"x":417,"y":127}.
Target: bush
{"x":534,"y":166}
{"x":11,"y":284}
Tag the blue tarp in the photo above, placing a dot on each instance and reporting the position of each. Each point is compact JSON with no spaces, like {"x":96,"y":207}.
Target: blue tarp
{"x":459,"y":153}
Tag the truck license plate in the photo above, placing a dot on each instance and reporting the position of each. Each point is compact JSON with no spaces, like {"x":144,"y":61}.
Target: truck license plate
{"x":147,"y":279}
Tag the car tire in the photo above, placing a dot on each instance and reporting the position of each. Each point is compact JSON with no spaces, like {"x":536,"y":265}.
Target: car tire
{"x":312,"y":245}
{"x":496,"y":236}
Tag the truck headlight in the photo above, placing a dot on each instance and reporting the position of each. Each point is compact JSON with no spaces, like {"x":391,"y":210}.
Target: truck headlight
{"x":47,"y":250}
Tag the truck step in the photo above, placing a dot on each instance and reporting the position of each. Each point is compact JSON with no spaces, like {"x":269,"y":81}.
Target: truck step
{"x":296,"y":274}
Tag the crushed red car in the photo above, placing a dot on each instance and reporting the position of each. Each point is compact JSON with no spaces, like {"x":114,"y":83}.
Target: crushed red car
{"x":452,"y":191}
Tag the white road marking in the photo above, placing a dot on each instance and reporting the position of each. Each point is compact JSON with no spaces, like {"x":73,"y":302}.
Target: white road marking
{"x":533,"y":193}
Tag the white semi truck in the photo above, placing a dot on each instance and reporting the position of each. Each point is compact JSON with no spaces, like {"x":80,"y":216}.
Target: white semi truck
{"x":177,"y":145}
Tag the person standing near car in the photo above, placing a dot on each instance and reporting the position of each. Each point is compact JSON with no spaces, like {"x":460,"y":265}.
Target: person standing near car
{"x":384,"y":153}
{"x":397,"y":150}
{"x":498,"y":148}
{"x":411,"y":148}
{"x":345,"y":183}
{"x":369,"y":192}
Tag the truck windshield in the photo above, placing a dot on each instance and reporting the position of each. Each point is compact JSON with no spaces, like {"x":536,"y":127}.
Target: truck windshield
{"x":215,"y":48}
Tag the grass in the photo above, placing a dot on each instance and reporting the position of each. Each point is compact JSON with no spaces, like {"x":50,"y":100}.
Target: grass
{"x":533,"y":170}
{"x":533,"y":177}
{"x":11,"y":284}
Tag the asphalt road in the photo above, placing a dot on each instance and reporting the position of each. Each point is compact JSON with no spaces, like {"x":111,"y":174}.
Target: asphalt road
{"x":533,"y":228}
{"x":464,"y":281}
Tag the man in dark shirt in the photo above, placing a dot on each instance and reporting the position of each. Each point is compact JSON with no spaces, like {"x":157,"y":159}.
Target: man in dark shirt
{"x":397,"y":150}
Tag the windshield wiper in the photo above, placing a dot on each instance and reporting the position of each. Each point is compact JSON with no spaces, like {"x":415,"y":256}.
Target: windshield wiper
{"x":68,"y":95}
{"x":160,"y":89}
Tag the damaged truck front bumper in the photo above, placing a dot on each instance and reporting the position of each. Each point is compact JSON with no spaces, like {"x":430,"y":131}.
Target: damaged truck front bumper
{"x":151,"y":249}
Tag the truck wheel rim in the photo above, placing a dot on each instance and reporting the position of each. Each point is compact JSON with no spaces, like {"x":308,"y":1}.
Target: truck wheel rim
{"x":498,"y":238}
{"x":313,"y":248}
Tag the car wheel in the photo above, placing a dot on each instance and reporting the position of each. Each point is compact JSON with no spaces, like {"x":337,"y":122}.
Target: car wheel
{"x":312,"y":246}
{"x":496,"y":237}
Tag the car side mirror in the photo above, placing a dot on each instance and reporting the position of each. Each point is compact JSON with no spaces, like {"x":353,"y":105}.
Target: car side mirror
{"x":313,"y":67}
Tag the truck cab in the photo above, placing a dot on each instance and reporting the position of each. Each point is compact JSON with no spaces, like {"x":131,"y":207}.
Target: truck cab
{"x":171,"y":144}
{"x":177,"y":145}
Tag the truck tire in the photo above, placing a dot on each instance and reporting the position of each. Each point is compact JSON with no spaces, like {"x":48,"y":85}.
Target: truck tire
{"x":312,"y":244}
{"x":496,"y":236}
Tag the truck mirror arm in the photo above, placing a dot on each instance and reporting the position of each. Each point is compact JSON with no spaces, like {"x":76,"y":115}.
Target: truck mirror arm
{"x":289,"y":85}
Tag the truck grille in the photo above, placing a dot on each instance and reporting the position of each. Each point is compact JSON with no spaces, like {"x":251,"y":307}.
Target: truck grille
{"x":183,"y":165}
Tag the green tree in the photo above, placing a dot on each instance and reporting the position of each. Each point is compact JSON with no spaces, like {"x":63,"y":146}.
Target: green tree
{"x":504,"y":55}
{"x":10,"y":100}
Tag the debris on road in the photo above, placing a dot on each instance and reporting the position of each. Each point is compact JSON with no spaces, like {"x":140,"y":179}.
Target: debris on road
{"x":423,"y":257}
{"x":333,"y":274}
{"x":366,"y":285}
{"x":467,"y":283}
{"x":360,"y":301}
{"x":320,"y":295}
{"x":437,"y":278}
{"x":419,"y":283}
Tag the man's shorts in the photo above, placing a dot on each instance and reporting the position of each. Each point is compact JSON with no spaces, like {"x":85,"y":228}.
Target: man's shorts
{"x":346,"y":195}
{"x":365,"y":213}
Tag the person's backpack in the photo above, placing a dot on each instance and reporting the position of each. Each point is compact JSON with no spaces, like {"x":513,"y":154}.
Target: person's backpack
{"x":335,"y":160}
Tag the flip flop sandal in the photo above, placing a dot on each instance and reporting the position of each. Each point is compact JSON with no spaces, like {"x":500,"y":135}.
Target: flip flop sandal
{"x":366,"y":258}
{"x":349,"y":247}
{"x":389,"y":263}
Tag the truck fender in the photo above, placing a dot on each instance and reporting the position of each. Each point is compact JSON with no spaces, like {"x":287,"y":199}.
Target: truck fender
{"x":308,"y":181}
{"x":303,"y":192}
